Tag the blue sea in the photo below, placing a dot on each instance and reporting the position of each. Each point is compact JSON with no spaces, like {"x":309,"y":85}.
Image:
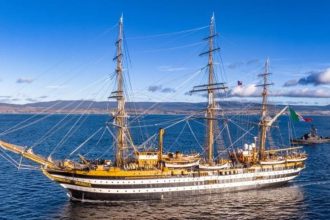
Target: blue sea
{"x":28,"y":194}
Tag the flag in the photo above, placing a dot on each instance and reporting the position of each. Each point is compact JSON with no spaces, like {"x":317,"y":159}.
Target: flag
{"x":308,"y":119}
{"x":239,"y":83}
{"x":297,"y":117}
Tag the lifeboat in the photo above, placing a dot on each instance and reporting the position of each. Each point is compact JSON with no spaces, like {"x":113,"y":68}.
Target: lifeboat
{"x":214,"y":167}
{"x":181,"y":164}
{"x":272,"y":162}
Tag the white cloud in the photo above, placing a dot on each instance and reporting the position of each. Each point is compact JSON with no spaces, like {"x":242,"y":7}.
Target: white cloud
{"x":291,"y":82}
{"x":315,"y":78}
{"x":154,"y":88}
{"x":304,"y":93}
{"x":31,"y":100}
{"x":243,"y":63}
{"x":324,"y":77}
{"x":24,"y":80}
{"x":245,"y":91}
{"x":56,"y":86}
{"x":252,"y":91}
{"x":168,"y":90}
{"x":159,"y":88}
{"x":171,"y":68}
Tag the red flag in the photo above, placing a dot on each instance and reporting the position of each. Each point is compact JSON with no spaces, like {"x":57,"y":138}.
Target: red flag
{"x":308,"y":119}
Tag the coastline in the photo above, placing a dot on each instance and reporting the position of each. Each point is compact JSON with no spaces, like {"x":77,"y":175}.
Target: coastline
{"x":149,"y":108}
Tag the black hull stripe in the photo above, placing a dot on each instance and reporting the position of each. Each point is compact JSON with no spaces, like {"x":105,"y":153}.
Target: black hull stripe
{"x":76,"y":195}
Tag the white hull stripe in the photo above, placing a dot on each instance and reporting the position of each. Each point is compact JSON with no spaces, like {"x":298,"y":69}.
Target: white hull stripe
{"x":178,"y":180}
{"x":177,"y":189}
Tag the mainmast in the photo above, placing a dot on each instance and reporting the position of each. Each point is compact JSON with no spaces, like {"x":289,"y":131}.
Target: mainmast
{"x":211,"y":102}
{"x":210,"y":87}
{"x":120,"y":116}
{"x":264,"y":121}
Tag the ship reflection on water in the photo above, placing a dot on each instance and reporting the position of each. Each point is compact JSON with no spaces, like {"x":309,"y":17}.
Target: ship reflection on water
{"x":276,"y":203}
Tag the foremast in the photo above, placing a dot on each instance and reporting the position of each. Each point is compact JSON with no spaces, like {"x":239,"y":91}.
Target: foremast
{"x":120,"y":116}
{"x":264,"y":120}
{"x":210,"y":87}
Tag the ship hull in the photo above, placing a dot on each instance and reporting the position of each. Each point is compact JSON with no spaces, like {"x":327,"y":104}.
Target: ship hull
{"x":82,"y":196}
{"x":115,"y":189}
{"x":310,"y":142}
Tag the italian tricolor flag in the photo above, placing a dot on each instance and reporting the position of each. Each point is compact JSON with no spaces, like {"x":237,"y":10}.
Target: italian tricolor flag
{"x":297,"y":117}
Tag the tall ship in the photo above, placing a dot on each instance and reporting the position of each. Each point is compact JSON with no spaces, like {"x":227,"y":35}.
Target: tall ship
{"x":154,"y":174}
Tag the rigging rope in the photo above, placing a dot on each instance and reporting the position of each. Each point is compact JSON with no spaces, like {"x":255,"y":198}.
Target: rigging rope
{"x":192,"y":132}
{"x":9,"y":158}
{"x":229,"y":136}
{"x":9,"y":161}
{"x":55,"y":128}
{"x":177,"y":138}
{"x":72,"y":130}
{"x":157,"y":103}
{"x":169,"y":126}
{"x":114,"y":137}
{"x":240,"y":126}
{"x":172,"y":48}
{"x":17,"y":165}
{"x":97,"y":143}
{"x":82,"y":144}
{"x":105,"y":152}
{"x":238,"y":139}
{"x":168,"y":34}
{"x":16,"y":128}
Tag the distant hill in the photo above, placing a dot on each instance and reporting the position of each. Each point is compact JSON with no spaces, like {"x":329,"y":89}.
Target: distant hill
{"x":93,"y":107}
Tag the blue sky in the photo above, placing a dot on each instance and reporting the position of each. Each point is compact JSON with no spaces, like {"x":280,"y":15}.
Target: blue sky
{"x":63,"y":49}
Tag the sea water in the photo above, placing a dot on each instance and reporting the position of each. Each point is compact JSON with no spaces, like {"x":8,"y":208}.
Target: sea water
{"x":28,"y":194}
